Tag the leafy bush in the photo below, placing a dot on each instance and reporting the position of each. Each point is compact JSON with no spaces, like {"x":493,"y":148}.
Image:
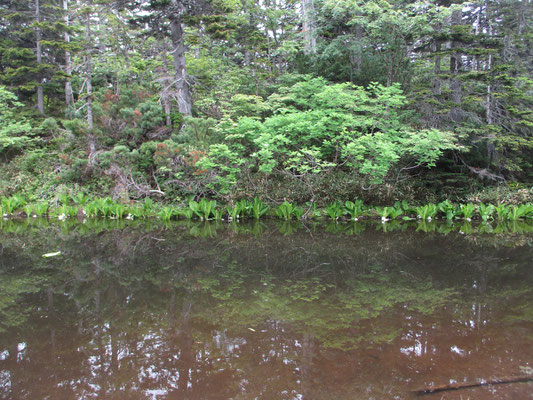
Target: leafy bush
{"x":316,"y":125}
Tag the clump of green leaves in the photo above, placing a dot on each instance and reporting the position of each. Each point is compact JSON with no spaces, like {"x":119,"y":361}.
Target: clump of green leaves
{"x":203,"y":209}
{"x":259,"y":208}
{"x":467,"y":210}
{"x":12,"y":204}
{"x":166,"y":213}
{"x":449,"y":209}
{"x":486,"y":211}
{"x":354,"y":209}
{"x":388,"y":212}
{"x":335,"y":210}
{"x":287,"y":211}
{"x":520,"y":211}
{"x":427,"y":212}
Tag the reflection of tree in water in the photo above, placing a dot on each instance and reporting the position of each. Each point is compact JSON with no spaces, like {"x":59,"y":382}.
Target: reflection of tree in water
{"x":131,"y":312}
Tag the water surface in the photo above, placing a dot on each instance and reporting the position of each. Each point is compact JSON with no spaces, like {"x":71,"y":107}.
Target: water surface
{"x":262,"y":311}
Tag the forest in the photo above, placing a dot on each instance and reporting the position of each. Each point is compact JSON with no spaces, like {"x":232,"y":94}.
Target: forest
{"x":308,"y":101}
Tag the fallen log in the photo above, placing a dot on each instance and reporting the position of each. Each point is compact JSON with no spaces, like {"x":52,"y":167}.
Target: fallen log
{"x":466,"y":385}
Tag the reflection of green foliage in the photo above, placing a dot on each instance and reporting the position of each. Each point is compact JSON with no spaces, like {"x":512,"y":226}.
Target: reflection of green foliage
{"x":466,"y":228}
{"x":354,"y":228}
{"x":287,"y":227}
{"x":13,"y":289}
{"x":203,"y":230}
{"x":426,"y":226}
{"x":147,"y":290}
{"x":391,"y":226}
{"x":335,"y":228}
{"x":330,"y":312}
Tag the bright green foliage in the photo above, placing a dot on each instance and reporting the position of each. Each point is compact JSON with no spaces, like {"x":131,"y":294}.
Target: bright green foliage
{"x":502,"y":211}
{"x":148,"y":205}
{"x":14,"y":131}
{"x":467,"y":210}
{"x":448,"y":209}
{"x":486,"y":211}
{"x":166,"y":213}
{"x":287,"y":211}
{"x":388,"y":212}
{"x":80,"y":199}
{"x":225,"y":164}
{"x":427,"y":212}
{"x":343,"y":130}
{"x":521,"y":211}
{"x":335,"y":210}
{"x":118,"y":210}
{"x":233,"y":212}
{"x":258,"y":208}
{"x":404,"y":206}
{"x":242,"y":209}
{"x":245,"y":208}
{"x":40,"y":209}
{"x":12,"y":204}
{"x":64,"y":211}
{"x":284,"y":211}
{"x":354,"y":209}
{"x":315,"y":124}
{"x":203,"y":209}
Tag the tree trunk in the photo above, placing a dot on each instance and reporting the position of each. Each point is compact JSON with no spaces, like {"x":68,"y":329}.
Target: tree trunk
{"x":182,"y":85}
{"x":40,"y":101}
{"x":456,"y":113}
{"x":309,"y":26}
{"x":436,"y":70}
{"x":489,"y":67}
{"x":166,"y":87}
{"x":91,"y":145}
{"x":88,"y":70}
{"x":69,"y":95}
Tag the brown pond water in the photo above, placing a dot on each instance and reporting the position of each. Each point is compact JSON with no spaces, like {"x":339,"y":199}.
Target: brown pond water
{"x":262,"y":311}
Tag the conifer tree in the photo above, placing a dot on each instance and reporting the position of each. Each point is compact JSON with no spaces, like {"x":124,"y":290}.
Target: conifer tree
{"x":31,"y":52}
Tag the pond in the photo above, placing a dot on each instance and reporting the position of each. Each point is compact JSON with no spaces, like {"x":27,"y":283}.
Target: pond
{"x":144,"y":310}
